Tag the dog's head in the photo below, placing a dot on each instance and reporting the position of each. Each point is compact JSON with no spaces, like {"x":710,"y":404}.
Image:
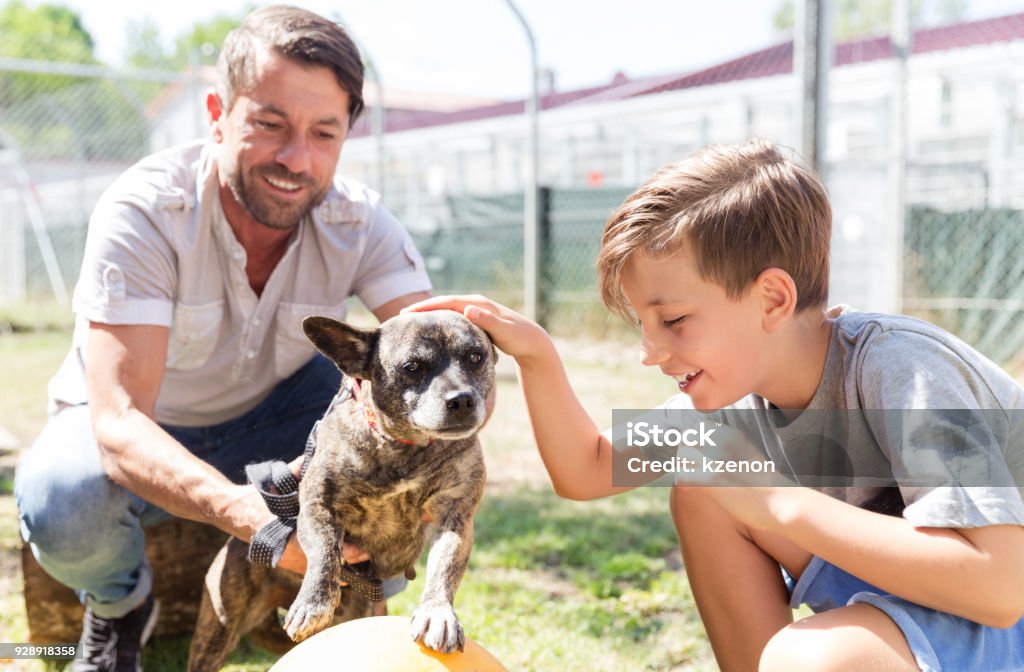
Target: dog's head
{"x":430,"y":373}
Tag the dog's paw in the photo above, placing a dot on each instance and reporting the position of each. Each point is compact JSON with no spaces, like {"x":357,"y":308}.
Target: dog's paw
{"x":437,"y":627}
{"x":306,"y":619}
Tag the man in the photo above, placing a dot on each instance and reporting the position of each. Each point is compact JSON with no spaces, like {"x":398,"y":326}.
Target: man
{"x":188,"y":360}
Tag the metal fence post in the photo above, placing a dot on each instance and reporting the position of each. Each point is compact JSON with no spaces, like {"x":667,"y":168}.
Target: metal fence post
{"x":812,"y":47}
{"x":900,"y":36}
{"x":530,"y":271}
{"x":545,"y":257}
{"x":12,"y":248}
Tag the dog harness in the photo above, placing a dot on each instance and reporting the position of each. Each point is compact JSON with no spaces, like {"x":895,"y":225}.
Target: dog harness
{"x":280,"y":490}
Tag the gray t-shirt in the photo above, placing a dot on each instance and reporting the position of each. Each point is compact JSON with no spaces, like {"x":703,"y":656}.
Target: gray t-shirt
{"x":901,"y":403}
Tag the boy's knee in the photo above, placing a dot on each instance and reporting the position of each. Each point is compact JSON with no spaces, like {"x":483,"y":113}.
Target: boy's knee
{"x":688,"y":501}
{"x":826,"y":643}
{"x":790,"y":649}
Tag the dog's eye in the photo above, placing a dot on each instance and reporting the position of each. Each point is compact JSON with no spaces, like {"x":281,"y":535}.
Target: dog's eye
{"x":475,"y":358}
{"x":411,"y":367}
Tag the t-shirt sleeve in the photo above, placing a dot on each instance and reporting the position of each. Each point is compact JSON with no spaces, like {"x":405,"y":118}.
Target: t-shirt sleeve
{"x":391,"y":265}
{"x":948,"y":441}
{"x":128,"y":272}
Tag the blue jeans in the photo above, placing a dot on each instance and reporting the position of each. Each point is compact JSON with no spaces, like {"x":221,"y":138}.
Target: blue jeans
{"x":87,"y":532}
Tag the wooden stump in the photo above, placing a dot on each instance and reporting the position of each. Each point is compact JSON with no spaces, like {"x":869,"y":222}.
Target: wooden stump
{"x":179,"y":553}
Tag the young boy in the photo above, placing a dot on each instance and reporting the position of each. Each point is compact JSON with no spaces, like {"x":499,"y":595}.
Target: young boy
{"x":722,"y":261}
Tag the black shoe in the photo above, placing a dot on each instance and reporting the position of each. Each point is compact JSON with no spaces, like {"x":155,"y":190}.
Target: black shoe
{"x":115,"y":644}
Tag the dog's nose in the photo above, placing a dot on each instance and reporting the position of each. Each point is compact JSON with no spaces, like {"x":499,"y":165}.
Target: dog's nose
{"x":460,"y":402}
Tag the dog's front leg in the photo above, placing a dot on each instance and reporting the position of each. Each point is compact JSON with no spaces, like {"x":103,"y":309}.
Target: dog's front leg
{"x":434,"y":621}
{"x":320,"y":537}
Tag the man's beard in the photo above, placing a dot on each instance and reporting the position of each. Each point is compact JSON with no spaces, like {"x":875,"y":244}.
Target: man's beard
{"x":266,"y":209}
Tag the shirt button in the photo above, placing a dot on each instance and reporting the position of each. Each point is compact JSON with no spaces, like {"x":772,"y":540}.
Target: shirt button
{"x":239,"y":255}
{"x":255,"y":321}
{"x":251,"y":354}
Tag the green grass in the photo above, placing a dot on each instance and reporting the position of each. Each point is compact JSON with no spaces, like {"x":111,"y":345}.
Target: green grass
{"x":552,"y":584}
{"x":171,"y":653}
{"x":555,"y":584}
{"x":43,"y":315}
{"x":27,"y":361}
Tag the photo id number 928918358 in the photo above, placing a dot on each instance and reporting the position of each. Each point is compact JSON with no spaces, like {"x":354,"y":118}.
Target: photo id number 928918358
{"x":22,"y":650}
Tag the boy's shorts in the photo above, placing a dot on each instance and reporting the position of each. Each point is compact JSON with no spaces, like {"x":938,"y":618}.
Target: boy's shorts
{"x":939,"y":641}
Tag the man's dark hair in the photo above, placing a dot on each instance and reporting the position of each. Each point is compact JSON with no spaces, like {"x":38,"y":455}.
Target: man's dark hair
{"x":299,"y":35}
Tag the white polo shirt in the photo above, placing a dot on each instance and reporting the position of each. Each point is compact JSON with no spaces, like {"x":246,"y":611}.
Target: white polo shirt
{"x":160,"y":251}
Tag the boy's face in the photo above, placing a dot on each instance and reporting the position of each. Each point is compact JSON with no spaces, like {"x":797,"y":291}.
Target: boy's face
{"x":708,"y":343}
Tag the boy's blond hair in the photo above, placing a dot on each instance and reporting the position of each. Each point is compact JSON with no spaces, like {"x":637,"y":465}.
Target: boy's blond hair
{"x":740,"y":208}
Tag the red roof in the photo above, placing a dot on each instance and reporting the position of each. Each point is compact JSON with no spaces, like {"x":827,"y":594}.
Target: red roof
{"x":402,"y":120}
{"x":775,"y":60}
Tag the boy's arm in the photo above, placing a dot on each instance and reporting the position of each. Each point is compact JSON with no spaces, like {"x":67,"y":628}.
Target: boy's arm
{"x":577,"y":456}
{"x":974,"y":573}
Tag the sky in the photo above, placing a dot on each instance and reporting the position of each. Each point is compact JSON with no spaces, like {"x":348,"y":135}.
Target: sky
{"x":478,"y":47}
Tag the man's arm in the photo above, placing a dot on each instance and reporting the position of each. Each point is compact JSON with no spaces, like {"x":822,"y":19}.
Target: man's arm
{"x":394,"y":306}
{"x":124,"y":368}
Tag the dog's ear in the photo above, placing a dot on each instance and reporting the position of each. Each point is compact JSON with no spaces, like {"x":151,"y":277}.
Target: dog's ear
{"x":350,"y":348}
{"x":494,"y":350}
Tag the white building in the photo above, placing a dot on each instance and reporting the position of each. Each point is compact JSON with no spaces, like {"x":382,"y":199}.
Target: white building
{"x":964,"y":144}
{"x":965,"y":150}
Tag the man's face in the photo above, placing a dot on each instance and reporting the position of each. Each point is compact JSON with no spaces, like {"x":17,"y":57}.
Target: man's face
{"x":280,"y":141}
{"x":707,"y":342}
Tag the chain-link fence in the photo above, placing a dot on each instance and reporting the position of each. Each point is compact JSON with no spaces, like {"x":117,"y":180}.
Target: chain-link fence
{"x":480,"y":249}
{"x":964,"y":271}
{"x":66,"y":131}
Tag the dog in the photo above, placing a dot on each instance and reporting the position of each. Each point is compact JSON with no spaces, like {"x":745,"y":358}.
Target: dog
{"x":396,"y":458}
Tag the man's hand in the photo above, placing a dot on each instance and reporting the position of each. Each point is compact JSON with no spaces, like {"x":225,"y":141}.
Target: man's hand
{"x":294,"y":560}
{"x":249,"y":513}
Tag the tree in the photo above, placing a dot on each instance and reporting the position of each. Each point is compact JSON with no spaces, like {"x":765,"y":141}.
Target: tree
{"x":58,"y":116}
{"x":47,"y":32}
{"x":202,"y":42}
{"x":206,"y":37}
{"x":861,"y":18}
{"x":143,"y":48}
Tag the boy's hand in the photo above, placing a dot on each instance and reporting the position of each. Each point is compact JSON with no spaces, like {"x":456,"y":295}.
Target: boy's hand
{"x":514,"y":334}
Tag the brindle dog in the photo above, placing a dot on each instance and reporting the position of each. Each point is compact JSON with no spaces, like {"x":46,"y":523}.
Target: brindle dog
{"x":393,"y":464}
